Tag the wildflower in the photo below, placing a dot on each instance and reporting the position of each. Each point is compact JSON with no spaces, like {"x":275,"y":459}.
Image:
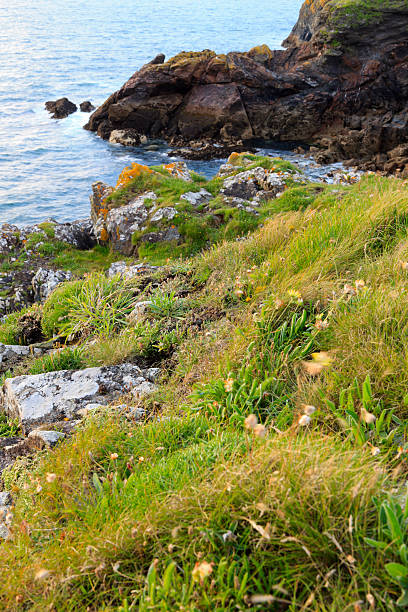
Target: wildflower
{"x":228,"y":384}
{"x":251,"y":422}
{"x":279,"y":303}
{"x":202,"y":570}
{"x":320,"y":360}
{"x":141,"y":459}
{"x":359,"y":284}
{"x":39,"y":489}
{"x":42,"y":574}
{"x":296,"y":295}
{"x":50,"y":477}
{"x":238,"y":292}
{"x":349,"y":289}
{"x":367,"y":417}
{"x":308,"y":409}
{"x":375,"y":451}
{"x":259,"y":431}
{"x":304,"y":420}
{"x":370,"y":601}
{"x":228,"y":536}
{"x":114,"y":456}
{"x":321,"y":325}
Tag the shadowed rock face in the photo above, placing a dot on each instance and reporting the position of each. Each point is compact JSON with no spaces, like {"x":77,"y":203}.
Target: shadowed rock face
{"x":341,"y":83}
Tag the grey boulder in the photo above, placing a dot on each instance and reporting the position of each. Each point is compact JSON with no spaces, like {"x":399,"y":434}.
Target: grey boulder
{"x":45,"y":281}
{"x":48,"y":398}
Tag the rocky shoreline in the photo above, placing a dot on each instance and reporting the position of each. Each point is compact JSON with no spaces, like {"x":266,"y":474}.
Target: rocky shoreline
{"x":340,"y":86}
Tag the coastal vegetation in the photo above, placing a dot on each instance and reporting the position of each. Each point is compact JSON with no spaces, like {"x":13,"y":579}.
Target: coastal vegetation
{"x":269,"y":469}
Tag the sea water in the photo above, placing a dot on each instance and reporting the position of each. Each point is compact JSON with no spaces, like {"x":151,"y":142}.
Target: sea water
{"x":85,"y":50}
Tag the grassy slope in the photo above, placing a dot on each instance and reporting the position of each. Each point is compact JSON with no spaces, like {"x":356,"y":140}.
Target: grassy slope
{"x":132,"y":511}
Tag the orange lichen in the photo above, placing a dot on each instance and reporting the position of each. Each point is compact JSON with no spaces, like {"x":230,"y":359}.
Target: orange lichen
{"x":176,"y":169}
{"x":233,"y":158}
{"x":104,"y":235}
{"x":131,"y":172}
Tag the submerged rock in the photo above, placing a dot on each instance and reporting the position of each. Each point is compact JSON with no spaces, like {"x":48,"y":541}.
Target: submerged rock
{"x":53,"y":396}
{"x":61,"y":108}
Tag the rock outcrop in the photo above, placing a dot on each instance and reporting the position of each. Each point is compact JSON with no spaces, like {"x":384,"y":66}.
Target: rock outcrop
{"x":40,"y":399}
{"x":86,"y":107}
{"x":341,"y":83}
{"x":61,"y":108}
{"x":31,"y":276}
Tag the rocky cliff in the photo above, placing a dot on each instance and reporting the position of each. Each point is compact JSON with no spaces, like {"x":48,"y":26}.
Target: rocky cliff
{"x":341,"y":83}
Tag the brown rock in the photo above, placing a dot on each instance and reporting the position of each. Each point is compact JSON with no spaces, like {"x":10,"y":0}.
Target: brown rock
{"x":341,"y":77}
{"x":60,"y":108}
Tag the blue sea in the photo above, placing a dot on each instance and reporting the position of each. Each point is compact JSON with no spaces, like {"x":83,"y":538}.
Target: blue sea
{"x":85,"y":50}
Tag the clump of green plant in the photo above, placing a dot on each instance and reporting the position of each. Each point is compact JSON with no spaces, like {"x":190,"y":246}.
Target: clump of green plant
{"x":63,"y":359}
{"x":8,"y":427}
{"x":165,"y":305}
{"x":265,"y":382}
{"x":369,"y":424}
{"x":97,"y":305}
{"x":392,"y":539}
{"x":12,"y":329}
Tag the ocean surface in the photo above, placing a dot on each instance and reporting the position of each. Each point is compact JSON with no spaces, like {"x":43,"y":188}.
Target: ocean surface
{"x":85,"y":50}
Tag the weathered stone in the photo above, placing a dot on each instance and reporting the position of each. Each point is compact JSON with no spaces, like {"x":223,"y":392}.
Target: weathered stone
{"x":152,"y":374}
{"x":167,"y":212}
{"x":169,"y":235}
{"x":4,"y":532}
{"x":10,"y":353}
{"x":127,"y":138}
{"x":138,"y":312}
{"x":129,"y":271}
{"x":44,"y":437}
{"x":50,"y":397}
{"x":196,"y":198}
{"x":122,"y":222}
{"x":144,"y":389}
{"x":5,"y":499}
{"x":179,"y":170}
{"x":79,"y":233}
{"x":100,"y":191}
{"x":9,"y":238}
{"x":45,"y":281}
{"x":60,"y":108}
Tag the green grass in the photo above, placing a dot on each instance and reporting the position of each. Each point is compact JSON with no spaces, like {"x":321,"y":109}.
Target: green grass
{"x":96,"y":305}
{"x":303,"y":325}
{"x":63,"y":359}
